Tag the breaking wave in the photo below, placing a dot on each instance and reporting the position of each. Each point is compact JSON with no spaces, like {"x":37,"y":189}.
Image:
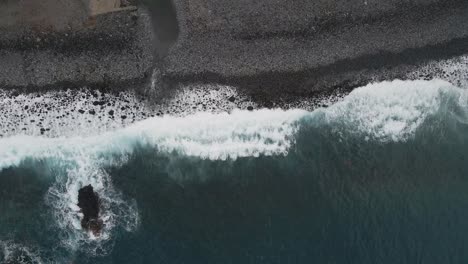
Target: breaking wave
{"x":383,"y":112}
{"x":80,"y":161}
{"x":393,"y":111}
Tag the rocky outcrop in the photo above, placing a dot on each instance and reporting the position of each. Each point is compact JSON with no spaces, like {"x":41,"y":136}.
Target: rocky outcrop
{"x":89,"y":203}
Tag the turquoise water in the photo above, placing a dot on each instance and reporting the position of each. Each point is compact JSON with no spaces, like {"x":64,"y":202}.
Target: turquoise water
{"x":379,"y":177}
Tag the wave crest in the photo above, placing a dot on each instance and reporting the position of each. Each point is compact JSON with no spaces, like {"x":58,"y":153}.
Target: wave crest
{"x":392,"y":111}
{"x":388,"y":111}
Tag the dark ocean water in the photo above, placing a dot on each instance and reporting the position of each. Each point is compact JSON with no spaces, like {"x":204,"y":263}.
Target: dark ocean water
{"x":380,"y":177}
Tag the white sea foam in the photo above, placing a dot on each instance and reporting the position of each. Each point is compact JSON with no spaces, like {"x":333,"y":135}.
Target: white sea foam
{"x":115,"y":211}
{"x":81,"y":160}
{"x":205,"y":135}
{"x":15,"y":253}
{"x":453,"y":70}
{"x":390,"y":111}
{"x":64,"y":113}
{"x":222,"y":136}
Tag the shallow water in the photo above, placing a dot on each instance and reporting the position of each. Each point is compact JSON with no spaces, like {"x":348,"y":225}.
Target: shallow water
{"x":379,"y":177}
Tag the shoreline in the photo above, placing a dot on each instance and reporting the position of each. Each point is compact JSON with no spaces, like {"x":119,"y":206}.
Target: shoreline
{"x":155,"y":55}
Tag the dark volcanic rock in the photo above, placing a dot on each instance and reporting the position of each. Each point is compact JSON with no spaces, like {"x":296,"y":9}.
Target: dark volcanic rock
{"x":88,"y":201}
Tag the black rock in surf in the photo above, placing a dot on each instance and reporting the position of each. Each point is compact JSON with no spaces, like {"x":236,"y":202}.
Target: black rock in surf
{"x":89,"y":203}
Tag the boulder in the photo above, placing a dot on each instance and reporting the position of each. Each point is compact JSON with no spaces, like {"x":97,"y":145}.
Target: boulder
{"x":88,"y":201}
